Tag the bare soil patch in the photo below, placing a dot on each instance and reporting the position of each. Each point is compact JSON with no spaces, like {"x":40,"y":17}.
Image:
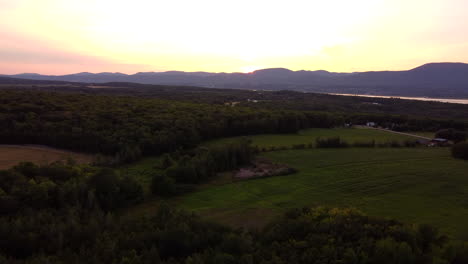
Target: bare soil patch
{"x":263,"y":167}
{"x":11,"y":155}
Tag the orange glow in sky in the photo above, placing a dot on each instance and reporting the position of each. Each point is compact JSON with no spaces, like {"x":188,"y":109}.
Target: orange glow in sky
{"x":67,"y":36}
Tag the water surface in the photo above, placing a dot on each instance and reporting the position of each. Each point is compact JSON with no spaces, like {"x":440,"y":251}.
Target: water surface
{"x":443,"y":100}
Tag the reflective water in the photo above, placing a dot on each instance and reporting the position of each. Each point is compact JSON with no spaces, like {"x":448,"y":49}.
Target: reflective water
{"x":443,"y":100}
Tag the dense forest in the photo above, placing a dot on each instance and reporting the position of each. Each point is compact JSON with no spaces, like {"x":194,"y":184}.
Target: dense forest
{"x":258,"y":98}
{"x":64,"y":213}
{"x":85,"y":234}
{"x":127,"y":127}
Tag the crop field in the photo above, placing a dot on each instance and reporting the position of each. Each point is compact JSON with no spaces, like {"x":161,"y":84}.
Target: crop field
{"x":350,"y":135}
{"x":10,"y":155}
{"x":143,"y":169}
{"x":420,"y":185}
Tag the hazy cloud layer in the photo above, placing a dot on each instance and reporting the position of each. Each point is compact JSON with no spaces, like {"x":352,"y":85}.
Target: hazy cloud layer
{"x":244,"y":35}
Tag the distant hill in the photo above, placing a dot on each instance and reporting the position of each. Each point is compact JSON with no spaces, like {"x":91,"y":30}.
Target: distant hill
{"x":447,"y":80}
{"x":27,"y":80}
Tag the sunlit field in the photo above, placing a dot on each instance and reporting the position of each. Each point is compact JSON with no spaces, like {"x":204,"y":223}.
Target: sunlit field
{"x":420,"y":185}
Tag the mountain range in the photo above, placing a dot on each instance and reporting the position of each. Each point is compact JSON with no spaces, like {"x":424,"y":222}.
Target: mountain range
{"x":444,"y":80}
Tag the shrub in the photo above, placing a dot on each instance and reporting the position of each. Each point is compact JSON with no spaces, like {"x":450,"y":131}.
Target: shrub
{"x":299,"y":146}
{"x":364,"y":144}
{"x":163,"y":185}
{"x":460,"y":150}
{"x":411,"y":143}
{"x":451,"y":134}
{"x":334,"y":142}
{"x":130,"y":190}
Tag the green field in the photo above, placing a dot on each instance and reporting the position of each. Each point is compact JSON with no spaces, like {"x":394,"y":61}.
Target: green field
{"x":350,"y":135}
{"x":424,"y":134}
{"x":143,"y":169}
{"x":419,"y":185}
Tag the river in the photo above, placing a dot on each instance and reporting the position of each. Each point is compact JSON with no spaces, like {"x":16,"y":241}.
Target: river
{"x":443,"y":100}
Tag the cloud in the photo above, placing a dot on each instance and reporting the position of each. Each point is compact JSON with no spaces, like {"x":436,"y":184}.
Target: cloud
{"x":20,"y":53}
{"x":50,"y":57}
{"x":21,"y":49}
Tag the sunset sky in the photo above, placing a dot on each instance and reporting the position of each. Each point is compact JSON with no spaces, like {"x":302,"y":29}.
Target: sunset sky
{"x":68,"y":36}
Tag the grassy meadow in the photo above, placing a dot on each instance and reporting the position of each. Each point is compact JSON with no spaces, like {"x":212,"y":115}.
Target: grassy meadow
{"x":419,"y":185}
{"x":143,"y":169}
{"x":424,"y":134}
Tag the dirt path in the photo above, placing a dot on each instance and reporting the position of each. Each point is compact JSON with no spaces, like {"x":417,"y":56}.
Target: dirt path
{"x":395,"y":132}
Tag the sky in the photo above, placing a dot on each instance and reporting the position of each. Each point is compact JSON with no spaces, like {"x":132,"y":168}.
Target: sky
{"x":69,"y":36}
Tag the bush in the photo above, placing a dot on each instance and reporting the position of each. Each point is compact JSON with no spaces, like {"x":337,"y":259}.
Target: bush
{"x":364,"y":144}
{"x":451,"y":134}
{"x":163,"y":185}
{"x":395,"y":144}
{"x":166,"y":162}
{"x":460,"y":150}
{"x":334,"y":142}
{"x":348,"y":236}
{"x":113,"y":191}
{"x":411,"y":143}
{"x":299,"y":146}
{"x":131,"y":190}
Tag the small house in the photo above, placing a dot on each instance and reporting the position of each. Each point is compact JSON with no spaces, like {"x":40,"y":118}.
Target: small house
{"x":371,"y":124}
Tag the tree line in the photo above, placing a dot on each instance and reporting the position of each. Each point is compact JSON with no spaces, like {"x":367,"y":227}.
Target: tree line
{"x":183,"y":169}
{"x":60,"y":186}
{"x":285,"y":99}
{"x":306,"y":235}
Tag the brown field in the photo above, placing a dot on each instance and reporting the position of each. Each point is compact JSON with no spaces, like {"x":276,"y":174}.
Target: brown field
{"x":10,"y":155}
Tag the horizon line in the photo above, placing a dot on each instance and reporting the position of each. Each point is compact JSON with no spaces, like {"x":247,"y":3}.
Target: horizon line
{"x":128,"y":74}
